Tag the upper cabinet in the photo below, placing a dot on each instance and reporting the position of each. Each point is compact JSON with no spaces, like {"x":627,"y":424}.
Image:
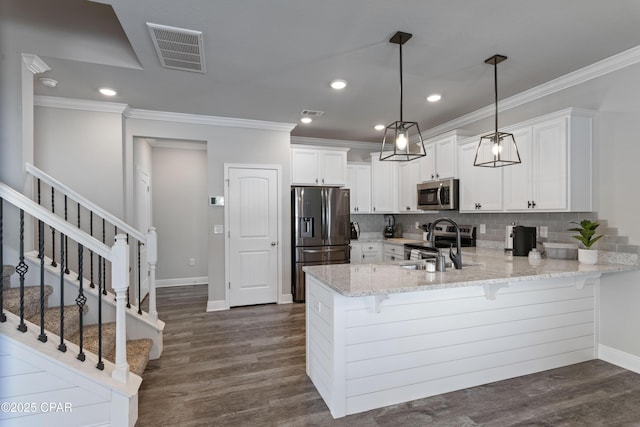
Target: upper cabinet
{"x":408,"y":178}
{"x":319,"y":166}
{"x":480,"y":188}
{"x":555,"y":173}
{"x":359,"y":182}
{"x":440,"y":161}
{"x":384,"y":185}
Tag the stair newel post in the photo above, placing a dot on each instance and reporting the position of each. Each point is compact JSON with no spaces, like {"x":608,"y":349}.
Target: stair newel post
{"x":81,"y":300}
{"x":139,"y":281}
{"x":62,"y":347}
{"x":42,"y":337}
{"x":91,"y":284}
{"x":100,"y":364}
{"x":79,"y":246}
{"x":66,"y":240}
{"x":104,"y":269}
{"x":119,"y":284}
{"x":22,"y":269}
{"x":39,"y":199}
{"x":53,"y":230}
{"x":152,"y":259}
{"x":3,"y":317}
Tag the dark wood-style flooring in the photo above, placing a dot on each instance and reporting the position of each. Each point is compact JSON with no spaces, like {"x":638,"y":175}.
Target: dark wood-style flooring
{"x":246,"y":367}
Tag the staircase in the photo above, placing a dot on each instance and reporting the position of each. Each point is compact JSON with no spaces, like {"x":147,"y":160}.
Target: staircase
{"x":70,"y":330}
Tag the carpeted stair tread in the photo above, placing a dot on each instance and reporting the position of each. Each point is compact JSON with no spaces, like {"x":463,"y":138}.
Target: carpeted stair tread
{"x":52,"y":319}
{"x":11,"y":300}
{"x":90,"y":338}
{"x":137,"y":355}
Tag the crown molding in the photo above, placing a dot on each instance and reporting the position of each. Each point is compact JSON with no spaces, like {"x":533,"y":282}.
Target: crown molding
{"x":79,"y":104}
{"x":34,"y":63}
{"x":135,"y":113}
{"x":175,"y":144}
{"x":590,"y":72}
{"x":302,"y":140}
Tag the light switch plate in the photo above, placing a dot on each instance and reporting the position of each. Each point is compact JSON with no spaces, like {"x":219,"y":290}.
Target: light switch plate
{"x":544,"y":231}
{"x":218,"y":229}
{"x":483,"y":228}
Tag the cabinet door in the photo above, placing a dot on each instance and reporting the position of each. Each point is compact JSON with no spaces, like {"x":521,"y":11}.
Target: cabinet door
{"x":550,"y":160}
{"x":480,"y":188}
{"x":333,"y":168}
{"x":384,"y":185}
{"x":304,"y":166}
{"x":408,"y":173}
{"x":356,"y":253}
{"x":518,"y":179}
{"x":428,"y":164}
{"x":445,"y":158}
{"x":363,"y":184}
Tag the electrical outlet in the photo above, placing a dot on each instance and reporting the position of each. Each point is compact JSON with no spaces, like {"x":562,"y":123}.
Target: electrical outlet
{"x":544,"y":231}
{"x":418,"y":225}
{"x":483,"y":228}
{"x":192,"y":262}
{"x":218,"y":229}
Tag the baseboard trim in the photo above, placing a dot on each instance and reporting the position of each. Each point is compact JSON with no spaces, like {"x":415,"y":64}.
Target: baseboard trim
{"x":286,"y":299}
{"x":619,"y":358}
{"x":185,"y":281}
{"x":218,"y":305}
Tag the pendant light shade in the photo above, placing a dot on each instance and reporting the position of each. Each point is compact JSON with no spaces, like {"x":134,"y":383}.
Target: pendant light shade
{"x":497,"y":149}
{"x":402,"y":140}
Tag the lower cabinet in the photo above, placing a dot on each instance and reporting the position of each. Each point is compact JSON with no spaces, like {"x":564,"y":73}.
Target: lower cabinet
{"x":392,"y":252}
{"x":366,"y":252}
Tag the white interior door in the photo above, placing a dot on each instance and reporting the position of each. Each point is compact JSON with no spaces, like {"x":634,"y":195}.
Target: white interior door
{"x":253,"y":236}
{"x":143,"y":214}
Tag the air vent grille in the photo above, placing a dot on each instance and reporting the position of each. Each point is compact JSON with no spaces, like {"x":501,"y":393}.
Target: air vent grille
{"x":178,"y":48}
{"x":311,"y":113}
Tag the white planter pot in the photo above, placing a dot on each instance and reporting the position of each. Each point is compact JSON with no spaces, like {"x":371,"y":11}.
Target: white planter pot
{"x":588,"y":256}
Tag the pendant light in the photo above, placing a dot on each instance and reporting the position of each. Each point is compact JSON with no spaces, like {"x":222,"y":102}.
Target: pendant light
{"x":396,"y":144}
{"x":497,"y":149}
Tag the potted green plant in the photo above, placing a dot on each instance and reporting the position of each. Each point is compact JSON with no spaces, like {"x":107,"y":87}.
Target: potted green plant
{"x":587,"y":237}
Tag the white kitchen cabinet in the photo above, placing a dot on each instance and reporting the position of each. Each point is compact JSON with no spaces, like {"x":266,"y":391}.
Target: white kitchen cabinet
{"x":366,"y":252}
{"x":392,"y":252}
{"x":480,"y":187}
{"x":359,"y":184}
{"x":555,"y":174}
{"x":356,"y":253}
{"x":408,"y":178}
{"x":384,"y":185}
{"x":441,"y":159}
{"x":318,"y":166}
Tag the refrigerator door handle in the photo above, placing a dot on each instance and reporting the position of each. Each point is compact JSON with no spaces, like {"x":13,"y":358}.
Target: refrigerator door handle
{"x":323,"y":197}
{"x":319,"y":251}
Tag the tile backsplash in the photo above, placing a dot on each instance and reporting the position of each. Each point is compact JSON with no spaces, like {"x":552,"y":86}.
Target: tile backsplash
{"x":495,"y":223}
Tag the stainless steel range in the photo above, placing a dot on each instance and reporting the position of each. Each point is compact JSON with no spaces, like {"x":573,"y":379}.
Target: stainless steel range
{"x":444,"y":237}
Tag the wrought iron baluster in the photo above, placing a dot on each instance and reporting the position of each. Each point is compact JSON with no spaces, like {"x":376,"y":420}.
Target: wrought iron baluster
{"x":22,"y":269}
{"x":62,"y":347}
{"x":104,"y":269}
{"x":100,"y":364}
{"x":79,"y":246}
{"x":53,"y":231}
{"x":139,"y":281}
{"x":91,"y":284}
{"x":80,"y":301}
{"x":39,"y":202}
{"x":42,"y":337}
{"x":3,"y":317}
{"x":66,"y":240}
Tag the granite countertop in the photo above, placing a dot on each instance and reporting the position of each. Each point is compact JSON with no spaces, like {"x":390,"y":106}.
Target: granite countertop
{"x":489,"y":267}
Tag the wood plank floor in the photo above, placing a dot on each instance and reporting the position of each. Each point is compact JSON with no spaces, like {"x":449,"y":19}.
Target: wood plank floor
{"x":246,"y":367}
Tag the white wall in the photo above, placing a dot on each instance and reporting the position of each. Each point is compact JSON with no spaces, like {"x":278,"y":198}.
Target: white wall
{"x":180,"y":212}
{"x":82,"y":149}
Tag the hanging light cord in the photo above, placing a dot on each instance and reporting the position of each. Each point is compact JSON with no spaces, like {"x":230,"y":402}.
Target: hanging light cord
{"x":495,"y":91}
{"x":401,"y":119}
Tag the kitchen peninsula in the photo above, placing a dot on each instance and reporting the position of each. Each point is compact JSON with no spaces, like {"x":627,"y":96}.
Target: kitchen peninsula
{"x":380,"y":334}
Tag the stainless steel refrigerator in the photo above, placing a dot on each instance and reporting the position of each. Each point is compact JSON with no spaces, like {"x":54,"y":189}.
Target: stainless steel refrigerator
{"x":321,"y":231}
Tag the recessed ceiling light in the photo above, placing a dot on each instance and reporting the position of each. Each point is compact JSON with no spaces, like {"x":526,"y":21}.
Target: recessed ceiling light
{"x":338,"y":84}
{"x":379,"y":127}
{"x":48,"y":82}
{"x":434,"y":98}
{"x":306,"y":120}
{"x":107,"y":91}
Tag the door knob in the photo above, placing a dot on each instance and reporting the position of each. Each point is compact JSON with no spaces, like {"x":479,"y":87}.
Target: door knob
{"x":273,"y":243}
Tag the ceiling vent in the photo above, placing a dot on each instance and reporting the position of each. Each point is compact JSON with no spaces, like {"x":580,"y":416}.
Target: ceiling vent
{"x":311,"y":113}
{"x":178,"y":48}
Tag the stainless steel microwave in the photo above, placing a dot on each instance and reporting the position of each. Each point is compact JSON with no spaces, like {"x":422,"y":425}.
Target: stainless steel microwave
{"x":438,"y":195}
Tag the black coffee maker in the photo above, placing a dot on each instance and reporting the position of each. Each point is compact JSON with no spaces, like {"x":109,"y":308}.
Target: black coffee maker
{"x":389,"y":225}
{"x":524,"y":239}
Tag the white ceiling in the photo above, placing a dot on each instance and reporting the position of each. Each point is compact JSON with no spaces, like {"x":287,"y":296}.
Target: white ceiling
{"x":270,"y":59}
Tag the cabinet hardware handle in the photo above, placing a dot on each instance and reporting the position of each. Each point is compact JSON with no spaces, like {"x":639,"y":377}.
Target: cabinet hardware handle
{"x":437,"y":175}
{"x":432,"y":176}
{"x":273,"y":243}
{"x":533,"y":204}
{"x":316,"y":180}
{"x":323,"y":180}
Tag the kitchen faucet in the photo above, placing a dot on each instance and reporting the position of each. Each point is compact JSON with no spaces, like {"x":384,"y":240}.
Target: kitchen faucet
{"x":457,"y":258}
